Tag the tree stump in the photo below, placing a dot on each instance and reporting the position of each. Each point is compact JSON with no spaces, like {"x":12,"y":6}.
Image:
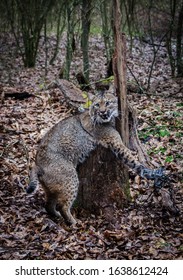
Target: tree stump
{"x":102,"y":183}
{"x":104,"y":180}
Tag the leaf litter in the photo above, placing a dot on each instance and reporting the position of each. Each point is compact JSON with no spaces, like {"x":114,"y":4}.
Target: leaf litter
{"x":142,"y":230}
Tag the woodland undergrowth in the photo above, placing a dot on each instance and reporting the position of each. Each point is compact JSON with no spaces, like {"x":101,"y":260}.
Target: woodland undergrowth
{"x":142,"y":230}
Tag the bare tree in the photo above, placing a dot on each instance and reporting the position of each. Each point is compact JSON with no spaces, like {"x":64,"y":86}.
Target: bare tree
{"x":86,"y":22}
{"x":27,"y":19}
{"x":179,"y":45}
{"x":59,"y":12}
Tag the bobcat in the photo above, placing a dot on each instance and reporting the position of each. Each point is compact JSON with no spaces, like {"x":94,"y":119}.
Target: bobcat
{"x":69,"y":143}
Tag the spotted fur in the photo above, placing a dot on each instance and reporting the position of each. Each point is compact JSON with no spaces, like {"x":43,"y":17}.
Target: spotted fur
{"x":70,"y":142}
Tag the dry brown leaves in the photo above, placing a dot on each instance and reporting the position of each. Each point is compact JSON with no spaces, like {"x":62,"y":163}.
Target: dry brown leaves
{"x":141,"y":231}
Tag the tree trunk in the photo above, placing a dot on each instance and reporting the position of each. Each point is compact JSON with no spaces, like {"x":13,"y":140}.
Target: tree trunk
{"x":105,"y":13}
{"x":103,"y":179}
{"x":60,"y":29}
{"x":70,"y":35}
{"x":179,"y":54}
{"x":86,"y":22}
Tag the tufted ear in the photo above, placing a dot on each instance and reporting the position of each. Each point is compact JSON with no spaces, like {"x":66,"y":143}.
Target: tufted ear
{"x":98,"y":94}
{"x":112,"y":90}
{"x":102,"y":92}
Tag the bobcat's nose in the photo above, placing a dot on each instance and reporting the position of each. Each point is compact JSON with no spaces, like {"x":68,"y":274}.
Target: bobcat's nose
{"x":103,"y":112}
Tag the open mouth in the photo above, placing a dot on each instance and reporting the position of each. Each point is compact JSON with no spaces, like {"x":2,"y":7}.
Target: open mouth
{"x":104,"y":116}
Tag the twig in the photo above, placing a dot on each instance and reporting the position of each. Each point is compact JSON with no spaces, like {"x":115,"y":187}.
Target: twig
{"x":175,"y":93}
{"x":25,"y":149}
{"x":141,"y":90}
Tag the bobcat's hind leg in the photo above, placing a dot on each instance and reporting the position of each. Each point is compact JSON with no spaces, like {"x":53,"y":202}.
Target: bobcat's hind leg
{"x":65,"y":202}
{"x":51,"y":202}
{"x":66,"y":213}
{"x":60,"y":183}
{"x":67,"y":196}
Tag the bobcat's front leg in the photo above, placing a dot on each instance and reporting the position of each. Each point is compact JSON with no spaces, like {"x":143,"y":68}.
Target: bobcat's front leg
{"x":110,"y":138}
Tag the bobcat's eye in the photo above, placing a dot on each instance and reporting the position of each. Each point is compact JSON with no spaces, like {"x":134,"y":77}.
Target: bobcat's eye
{"x":107,"y":103}
{"x":96,"y":105}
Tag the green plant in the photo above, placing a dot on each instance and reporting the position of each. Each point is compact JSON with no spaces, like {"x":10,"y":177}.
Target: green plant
{"x":164,"y":132}
{"x":169,"y":158}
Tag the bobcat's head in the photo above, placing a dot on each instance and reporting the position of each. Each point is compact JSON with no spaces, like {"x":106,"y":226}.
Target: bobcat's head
{"x":104,"y":108}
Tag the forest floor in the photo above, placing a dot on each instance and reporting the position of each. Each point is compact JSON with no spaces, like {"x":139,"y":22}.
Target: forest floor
{"x":142,"y":230}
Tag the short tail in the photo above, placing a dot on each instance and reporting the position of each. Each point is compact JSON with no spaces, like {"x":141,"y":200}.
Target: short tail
{"x":33,"y":184}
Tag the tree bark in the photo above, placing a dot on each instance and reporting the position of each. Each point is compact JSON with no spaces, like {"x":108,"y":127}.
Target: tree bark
{"x":71,"y":20}
{"x":86,"y":22}
{"x":105,"y":13}
{"x":179,"y":53}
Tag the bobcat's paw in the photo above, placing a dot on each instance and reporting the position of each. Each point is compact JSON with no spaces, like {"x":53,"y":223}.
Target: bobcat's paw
{"x":158,"y":175}
{"x":153,"y":174}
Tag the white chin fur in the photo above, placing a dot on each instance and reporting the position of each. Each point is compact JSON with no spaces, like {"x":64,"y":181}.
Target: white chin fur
{"x":105,"y":120}
{"x":100,"y":120}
